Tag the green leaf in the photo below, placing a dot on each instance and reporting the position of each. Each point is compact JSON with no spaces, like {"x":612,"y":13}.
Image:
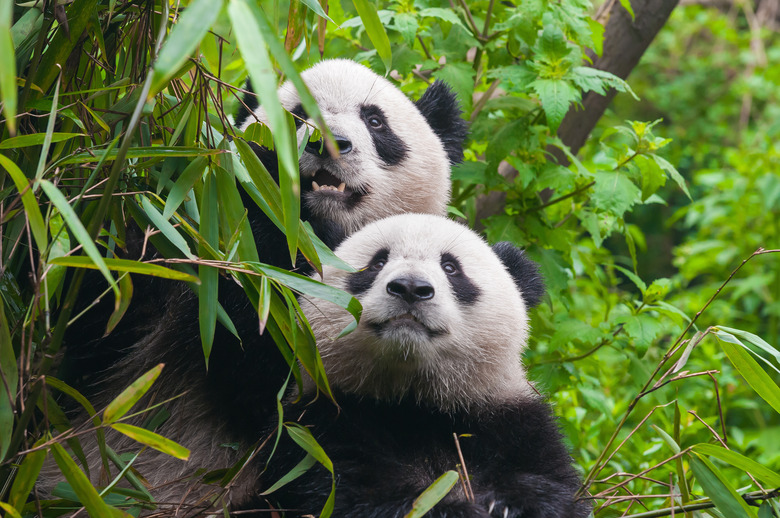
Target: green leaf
{"x":8,"y":384}
{"x":168,"y":230}
{"x":673,"y":173}
{"x":634,"y":278}
{"x":126,"y":265}
{"x":35,"y":139}
{"x":715,"y":486}
{"x":125,"y":297}
{"x":627,"y":6}
{"x":191,"y":174}
{"x":191,"y":26}
{"x":749,"y":369}
{"x":88,"y":495}
{"x":209,"y":276}
{"x":299,"y":469}
{"x":153,"y":440}
{"x":12,"y":513}
{"x":27,"y":475}
{"x":8,"y":66}
{"x":130,"y":396}
{"x":556,"y":95}
{"x":375,"y":30}
{"x":30,"y":203}
{"x":754,"y":340}
{"x":78,"y":231}
{"x":96,"y":155}
{"x":315,"y":6}
{"x":668,"y":439}
{"x":615,"y":192}
{"x":303,"y":438}
{"x":433,"y":494}
{"x":738,"y":460}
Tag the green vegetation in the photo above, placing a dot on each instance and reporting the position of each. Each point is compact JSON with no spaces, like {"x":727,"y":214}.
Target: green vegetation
{"x":659,"y":341}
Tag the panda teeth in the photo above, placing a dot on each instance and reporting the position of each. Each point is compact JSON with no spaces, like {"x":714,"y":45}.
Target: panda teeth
{"x":317,"y":187}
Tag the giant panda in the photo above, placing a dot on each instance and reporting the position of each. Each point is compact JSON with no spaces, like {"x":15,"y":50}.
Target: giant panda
{"x":436,"y":354}
{"x":395,"y":157}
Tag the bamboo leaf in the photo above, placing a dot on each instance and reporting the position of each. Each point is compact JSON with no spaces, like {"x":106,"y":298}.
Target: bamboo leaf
{"x":12,"y":513}
{"x":168,"y":230}
{"x":126,"y":265}
{"x":125,"y":296}
{"x":139,"y":152}
{"x":8,"y":384}
{"x":303,"y":438}
{"x":749,"y":369}
{"x":27,"y":475}
{"x":191,"y":174}
{"x":209,"y":276}
{"x":30,"y":203}
{"x":298,"y":470}
{"x":153,"y":440}
{"x":78,"y":231}
{"x":715,"y":486}
{"x":375,"y":30}
{"x":738,"y":460}
{"x":130,"y":396}
{"x":88,"y":495}
{"x":433,"y":494}
{"x":36,"y":139}
{"x":191,"y":26}
{"x":8,"y":66}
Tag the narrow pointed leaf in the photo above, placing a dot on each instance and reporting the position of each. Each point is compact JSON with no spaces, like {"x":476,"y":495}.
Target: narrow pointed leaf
{"x":375,"y":30}
{"x":433,"y":494}
{"x":8,"y":384}
{"x":715,"y":486}
{"x":738,"y":460}
{"x":130,"y":396}
{"x":36,"y":139}
{"x":29,"y":202}
{"x":191,"y":26}
{"x":756,"y":377}
{"x":126,"y":265}
{"x":191,"y":174}
{"x":88,"y":495}
{"x":153,"y":440}
{"x":209,"y":276}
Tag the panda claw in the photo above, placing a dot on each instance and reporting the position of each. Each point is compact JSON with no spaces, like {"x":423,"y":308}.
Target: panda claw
{"x":492,"y":505}
{"x":506,"y":512}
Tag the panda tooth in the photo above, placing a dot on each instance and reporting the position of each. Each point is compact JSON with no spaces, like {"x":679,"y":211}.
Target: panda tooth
{"x":341,"y":187}
{"x":315,"y":186}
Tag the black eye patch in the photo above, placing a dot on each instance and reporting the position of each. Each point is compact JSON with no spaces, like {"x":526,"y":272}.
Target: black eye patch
{"x":390,"y":148}
{"x":300,"y":115}
{"x":465,"y":290}
{"x":360,"y":281}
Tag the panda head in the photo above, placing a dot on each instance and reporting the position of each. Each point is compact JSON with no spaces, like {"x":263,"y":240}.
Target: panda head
{"x":444,"y":315}
{"x":395,"y":155}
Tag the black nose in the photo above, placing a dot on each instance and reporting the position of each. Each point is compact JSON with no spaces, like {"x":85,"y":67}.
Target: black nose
{"x":318,"y":148}
{"x":411,"y":290}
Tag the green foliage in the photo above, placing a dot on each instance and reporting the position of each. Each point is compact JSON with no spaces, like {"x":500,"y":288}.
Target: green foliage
{"x":121,"y":114}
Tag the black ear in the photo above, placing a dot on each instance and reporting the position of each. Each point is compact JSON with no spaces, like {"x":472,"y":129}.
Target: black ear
{"x":441,"y":109}
{"x":249,"y":105}
{"x":524,"y":271}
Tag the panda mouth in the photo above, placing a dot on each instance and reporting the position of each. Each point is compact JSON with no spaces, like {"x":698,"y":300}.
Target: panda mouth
{"x":325,"y":181}
{"x":404,"y":321}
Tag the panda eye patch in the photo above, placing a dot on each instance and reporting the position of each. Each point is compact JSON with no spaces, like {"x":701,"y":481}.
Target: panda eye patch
{"x":360,"y":281}
{"x":375,"y":122}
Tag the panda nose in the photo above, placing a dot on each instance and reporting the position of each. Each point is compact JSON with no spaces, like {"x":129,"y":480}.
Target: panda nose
{"x":318,"y":148}
{"x":410,"y":290}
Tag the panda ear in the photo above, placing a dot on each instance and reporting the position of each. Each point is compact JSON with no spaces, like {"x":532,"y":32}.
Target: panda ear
{"x":441,"y":109}
{"x":523,"y":270}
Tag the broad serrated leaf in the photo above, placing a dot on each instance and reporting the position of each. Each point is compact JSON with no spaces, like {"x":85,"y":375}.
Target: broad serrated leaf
{"x":555,"y":95}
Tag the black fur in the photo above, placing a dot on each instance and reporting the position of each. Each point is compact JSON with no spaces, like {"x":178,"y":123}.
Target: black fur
{"x":390,"y":148}
{"x":386,"y":454}
{"x":439,"y":105}
{"x":465,"y":290}
{"x":524,"y":271}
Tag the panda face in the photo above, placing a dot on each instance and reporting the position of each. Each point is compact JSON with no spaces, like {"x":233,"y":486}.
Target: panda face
{"x":391,"y":159}
{"x":443,"y":320}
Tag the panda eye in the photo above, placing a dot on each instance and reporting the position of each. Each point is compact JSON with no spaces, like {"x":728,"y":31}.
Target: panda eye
{"x":449,"y":268}
{"x":375,"y":122}
{"x":378,"y":265}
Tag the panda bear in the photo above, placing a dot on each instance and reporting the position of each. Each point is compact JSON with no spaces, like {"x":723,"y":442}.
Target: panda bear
{"x":436,"y":354}
{"x":395,"y":156}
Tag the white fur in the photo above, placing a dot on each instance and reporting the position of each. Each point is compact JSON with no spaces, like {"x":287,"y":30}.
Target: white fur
{"x":473,"y":361}
{"x":420,"y":183}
